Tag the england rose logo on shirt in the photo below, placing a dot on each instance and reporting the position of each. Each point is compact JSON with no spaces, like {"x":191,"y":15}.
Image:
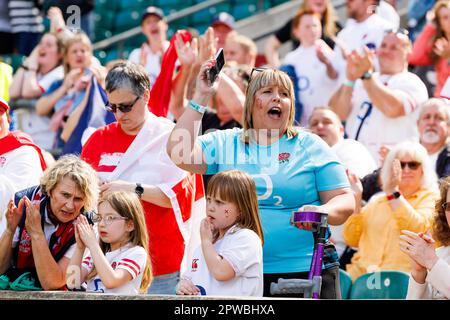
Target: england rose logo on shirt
{"x":284,"y":157}
{"x":194,"y":265}
{"x":2,"y":161}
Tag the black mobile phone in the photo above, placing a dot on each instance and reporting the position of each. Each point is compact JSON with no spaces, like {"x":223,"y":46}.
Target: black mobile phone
{"x":220,"y":62}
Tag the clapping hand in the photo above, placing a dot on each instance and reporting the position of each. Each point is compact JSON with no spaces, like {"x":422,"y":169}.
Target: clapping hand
{"x":33,"y":219}
{"x":86,"y":232}
{"x":394,"y":178}
{"x":359,"y":63}
{"x":419,"y":247}
{"x":14,"y":214}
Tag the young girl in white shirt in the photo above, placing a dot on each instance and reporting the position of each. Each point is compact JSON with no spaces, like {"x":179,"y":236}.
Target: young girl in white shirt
{"x":119,"y":262}
{"x":229,"y":260}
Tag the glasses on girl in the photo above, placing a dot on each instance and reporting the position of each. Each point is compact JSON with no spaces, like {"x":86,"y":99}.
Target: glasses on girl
{"x":107,"y":219}
{"x":413,"y":165}
{"x":124,"y":108}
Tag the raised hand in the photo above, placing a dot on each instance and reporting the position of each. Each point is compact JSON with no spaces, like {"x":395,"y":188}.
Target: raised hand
{"x":33,"y":219}
{"x":187,"y":52}
{"x":56,"y":19}
{"x":14,"y":214}
{"x":207,"y":47}
{"x":356,"y":186}
{"x":394,"y":178}
{"x":204,"y":88}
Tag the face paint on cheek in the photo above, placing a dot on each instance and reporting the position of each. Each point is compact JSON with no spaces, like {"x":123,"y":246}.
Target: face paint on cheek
{"x":258,"y":103}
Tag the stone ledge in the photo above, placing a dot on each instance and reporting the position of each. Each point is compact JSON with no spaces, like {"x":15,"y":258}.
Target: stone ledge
{"x":71,"y":295}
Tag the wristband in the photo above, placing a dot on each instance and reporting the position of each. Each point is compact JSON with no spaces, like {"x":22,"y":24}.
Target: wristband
{"x":393,"y":196}
{"x":196,"y":107}
{"x":23,"y":66}
{"x":349,"y":83}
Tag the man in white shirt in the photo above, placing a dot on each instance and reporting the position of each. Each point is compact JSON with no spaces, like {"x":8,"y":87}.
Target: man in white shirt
{"x":364,"y":28}
{"x":150,"y":54}
{"x":380,"y":108}
{"x":434,"y":129}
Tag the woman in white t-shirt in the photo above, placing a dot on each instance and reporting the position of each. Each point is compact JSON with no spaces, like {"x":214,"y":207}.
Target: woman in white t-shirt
{"x":229,"y":260}
{"x":31,"y":80}
{"x":119,"y":262}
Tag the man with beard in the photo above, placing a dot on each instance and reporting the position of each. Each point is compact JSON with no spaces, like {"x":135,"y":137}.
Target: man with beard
{"x":433,"y":125}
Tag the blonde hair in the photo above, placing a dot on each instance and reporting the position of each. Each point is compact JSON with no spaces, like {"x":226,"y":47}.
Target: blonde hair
{"x":128,"y":205}
{"x":264,"y":78}
{"x":78,"y":37}
{"x":419,"y":154}
{"x":328,"y":18}
{"x":247,"y":44}
{"x":238,"y":188}
{"x":79,"y":172}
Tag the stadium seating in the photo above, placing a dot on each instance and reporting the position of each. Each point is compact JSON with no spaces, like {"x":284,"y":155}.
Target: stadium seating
{"x":345,"y":282}
{"x":381,"y":285}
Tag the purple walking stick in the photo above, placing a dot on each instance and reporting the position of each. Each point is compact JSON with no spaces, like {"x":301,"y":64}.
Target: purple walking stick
{"x":311,"y":287}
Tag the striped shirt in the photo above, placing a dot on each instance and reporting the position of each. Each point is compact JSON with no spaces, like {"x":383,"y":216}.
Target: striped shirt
{"x":26,"y":16}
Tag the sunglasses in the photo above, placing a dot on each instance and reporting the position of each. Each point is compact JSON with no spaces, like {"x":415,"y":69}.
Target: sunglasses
{"x":413,"y":165}
{"x":124,"y":108}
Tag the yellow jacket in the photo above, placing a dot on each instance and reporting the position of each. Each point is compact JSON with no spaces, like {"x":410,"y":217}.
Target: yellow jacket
{"x":376,"y":231}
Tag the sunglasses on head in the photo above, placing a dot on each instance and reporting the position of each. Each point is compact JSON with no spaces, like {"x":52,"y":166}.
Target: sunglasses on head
{"x":398,"y":31}
{"x":124,"y":108}
{"x":413,"y":165}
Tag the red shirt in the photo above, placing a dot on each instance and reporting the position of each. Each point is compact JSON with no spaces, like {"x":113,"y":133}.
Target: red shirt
{"x":103,"y":151}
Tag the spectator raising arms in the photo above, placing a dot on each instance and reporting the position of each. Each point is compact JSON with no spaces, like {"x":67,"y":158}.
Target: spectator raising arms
{"x":130,"y":155}
{"x":32,"y":79}
{"x":430,"y":275}
{"x":229,"y":261}
{"x":390,"y":99}
{"x":291,"y":168}
{"x":119,"y":262}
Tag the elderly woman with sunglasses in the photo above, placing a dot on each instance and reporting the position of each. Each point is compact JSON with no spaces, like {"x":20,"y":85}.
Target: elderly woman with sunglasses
{"x":292,"y":169}
{"x":430,"y":274}
{"x":406,"y":203}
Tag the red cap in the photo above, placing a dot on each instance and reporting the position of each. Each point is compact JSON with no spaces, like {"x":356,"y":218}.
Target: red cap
{"x":4,"y":104}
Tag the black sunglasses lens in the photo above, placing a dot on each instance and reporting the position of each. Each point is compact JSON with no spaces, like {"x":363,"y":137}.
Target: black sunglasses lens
{"x":411,"y":165}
